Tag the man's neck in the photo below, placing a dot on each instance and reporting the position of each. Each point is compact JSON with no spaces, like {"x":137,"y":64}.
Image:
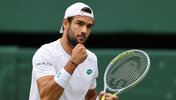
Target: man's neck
{"x":68,"y":47}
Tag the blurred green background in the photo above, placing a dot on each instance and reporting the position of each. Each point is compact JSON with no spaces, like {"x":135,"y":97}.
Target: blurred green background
{"x":120,"y":25}
{"x":110,"y":16}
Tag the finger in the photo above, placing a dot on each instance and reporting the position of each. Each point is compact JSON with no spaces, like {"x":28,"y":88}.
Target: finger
{"x":82,"y":48}
{"x":101,"y":94}
{"x":108,"y":95}
{"x":84,"y":51}
{"x":111,"y":97}
{"x":80,"y":45}
{"x":108,"y":98}
{"x":114,"y":97}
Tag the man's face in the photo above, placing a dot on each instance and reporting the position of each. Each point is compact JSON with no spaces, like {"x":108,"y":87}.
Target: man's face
{"x":79,"y":29}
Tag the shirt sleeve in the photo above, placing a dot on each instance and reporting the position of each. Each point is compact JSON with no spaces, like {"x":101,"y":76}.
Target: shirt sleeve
{"x":94,"y":82}
{"x":43,"y":64}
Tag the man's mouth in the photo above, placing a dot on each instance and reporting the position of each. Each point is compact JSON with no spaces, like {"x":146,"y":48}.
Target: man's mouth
{"x":82,"y":37}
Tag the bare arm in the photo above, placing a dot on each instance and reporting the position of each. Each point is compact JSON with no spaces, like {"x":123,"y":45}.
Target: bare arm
{"x":91,"y":95}
{"x":48,"y":88}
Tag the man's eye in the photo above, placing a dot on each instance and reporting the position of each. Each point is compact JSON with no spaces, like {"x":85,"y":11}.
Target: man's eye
{"x":80,"y":24}
{"x":89,"y":26}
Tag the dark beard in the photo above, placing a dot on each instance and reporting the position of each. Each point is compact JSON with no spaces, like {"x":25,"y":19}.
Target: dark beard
{"x":71,"y":39}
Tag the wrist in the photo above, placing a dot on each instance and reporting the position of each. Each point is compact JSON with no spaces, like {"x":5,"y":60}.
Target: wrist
{"x":62,"y":78}
{"x":73,"y":63}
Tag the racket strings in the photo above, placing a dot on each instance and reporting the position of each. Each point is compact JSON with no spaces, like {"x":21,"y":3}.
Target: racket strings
{"x":138,"y":69}
{"x":130,"y":68}
{"x":143,"y":64}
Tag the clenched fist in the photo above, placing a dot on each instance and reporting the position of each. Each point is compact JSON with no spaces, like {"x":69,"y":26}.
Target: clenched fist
{"x":79,"y":54}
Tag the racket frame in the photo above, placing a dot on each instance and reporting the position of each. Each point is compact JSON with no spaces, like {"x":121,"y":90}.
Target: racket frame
{"x":119,"y":91}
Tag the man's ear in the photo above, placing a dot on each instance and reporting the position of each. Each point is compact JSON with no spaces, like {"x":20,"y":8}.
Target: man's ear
{"x":65,"y":23}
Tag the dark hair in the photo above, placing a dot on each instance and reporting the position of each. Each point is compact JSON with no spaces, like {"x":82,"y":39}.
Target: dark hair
{"x":70,"y":19}
{"x":86,"y":9}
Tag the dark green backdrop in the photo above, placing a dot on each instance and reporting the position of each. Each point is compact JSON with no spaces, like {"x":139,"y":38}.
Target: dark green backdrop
{"x":159,"y":84}
{"x":110,"y":16}
{"x":29,"y":19}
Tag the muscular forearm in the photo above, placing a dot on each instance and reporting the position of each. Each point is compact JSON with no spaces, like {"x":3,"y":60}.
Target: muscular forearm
{"x":51,"y":91}
{"x":49,"y":88}
{"x":52,"y":87}
{"x":91,"y":95}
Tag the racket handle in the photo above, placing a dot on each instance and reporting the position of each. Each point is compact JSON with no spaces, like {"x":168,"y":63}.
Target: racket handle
{"x":103,"y":97}
{"x":113,"y":95}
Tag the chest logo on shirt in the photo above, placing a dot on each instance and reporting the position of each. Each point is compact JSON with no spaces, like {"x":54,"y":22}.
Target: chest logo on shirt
{"x":89,"y":71}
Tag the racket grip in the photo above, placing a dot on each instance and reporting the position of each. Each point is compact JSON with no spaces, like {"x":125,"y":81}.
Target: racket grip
{"x":113,"y":95}
{"x":103,"y":97}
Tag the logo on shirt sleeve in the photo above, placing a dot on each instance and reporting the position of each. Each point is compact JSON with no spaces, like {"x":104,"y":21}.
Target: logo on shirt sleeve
{"x":89,"y":71}
{"x":44,"y":63}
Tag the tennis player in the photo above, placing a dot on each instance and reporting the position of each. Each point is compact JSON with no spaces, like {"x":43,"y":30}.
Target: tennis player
{"x":65,"y":69}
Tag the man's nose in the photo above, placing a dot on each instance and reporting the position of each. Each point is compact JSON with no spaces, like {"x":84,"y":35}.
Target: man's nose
{"x":84,"y":29}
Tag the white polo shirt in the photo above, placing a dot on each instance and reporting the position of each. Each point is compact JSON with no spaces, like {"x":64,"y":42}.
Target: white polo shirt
{"x":51,"y":58}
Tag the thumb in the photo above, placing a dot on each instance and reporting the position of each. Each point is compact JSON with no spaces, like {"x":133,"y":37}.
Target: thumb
{"x":101,"y":94}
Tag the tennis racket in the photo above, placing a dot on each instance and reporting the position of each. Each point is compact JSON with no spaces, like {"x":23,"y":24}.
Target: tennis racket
{"x":125,"y":71}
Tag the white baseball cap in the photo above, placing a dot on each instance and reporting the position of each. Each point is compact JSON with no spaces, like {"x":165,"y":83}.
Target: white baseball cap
{"x":74,"y":10}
